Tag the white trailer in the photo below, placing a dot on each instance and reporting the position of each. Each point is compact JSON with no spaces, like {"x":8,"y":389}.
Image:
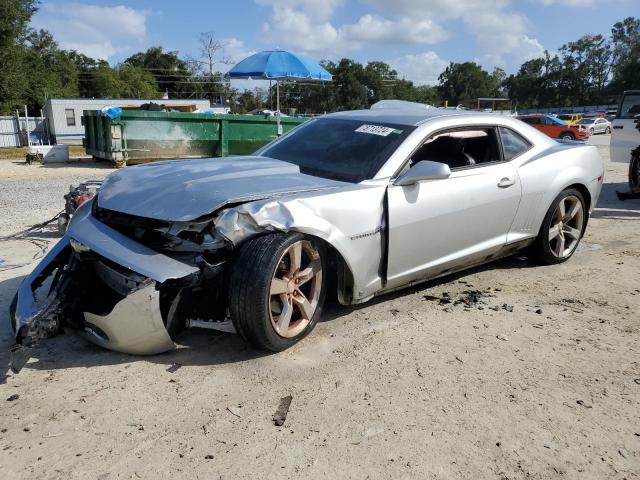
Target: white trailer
{"x":64,"y":114}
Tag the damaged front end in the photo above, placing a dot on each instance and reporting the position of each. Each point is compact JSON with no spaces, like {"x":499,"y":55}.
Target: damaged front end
{"x":115,"y":291}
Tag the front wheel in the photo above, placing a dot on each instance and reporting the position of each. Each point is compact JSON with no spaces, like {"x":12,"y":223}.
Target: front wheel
{"x":277,"y":289}
{"x":634,"y":174}
{"x":562,"y":228}
{"x":608,"y":131}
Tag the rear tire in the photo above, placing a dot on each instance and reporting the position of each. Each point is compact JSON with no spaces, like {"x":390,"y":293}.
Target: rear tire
{"x":561,"y":230}
{"x":634,"y":173}
{"x":567,"y":136}
{"x":277,"y":289}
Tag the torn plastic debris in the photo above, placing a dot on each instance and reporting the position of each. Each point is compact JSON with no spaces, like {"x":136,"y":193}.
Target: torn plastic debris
{"x":111,"y":112}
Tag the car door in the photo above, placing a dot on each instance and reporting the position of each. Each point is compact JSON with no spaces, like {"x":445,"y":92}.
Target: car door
{"x":625,"y":137}
{"x":437,"y":225}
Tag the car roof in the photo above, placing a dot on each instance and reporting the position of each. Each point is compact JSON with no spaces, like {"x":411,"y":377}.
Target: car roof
{"x":404,"y":116}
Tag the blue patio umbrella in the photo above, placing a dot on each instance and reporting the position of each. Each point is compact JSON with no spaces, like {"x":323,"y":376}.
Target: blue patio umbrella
{"x":279,"y":65}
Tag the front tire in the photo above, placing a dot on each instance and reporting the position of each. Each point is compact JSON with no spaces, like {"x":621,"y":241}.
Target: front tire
{"x":562,"y":228}
{"x":277,"y":289}
{"x":634,"y":173}
{"x":608,"y":131}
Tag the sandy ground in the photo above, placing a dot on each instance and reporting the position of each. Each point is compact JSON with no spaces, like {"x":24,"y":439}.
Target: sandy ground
{"x":402,"y":387}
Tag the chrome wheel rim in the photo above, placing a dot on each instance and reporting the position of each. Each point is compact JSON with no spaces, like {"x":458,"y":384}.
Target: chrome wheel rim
{"x":295,"y":287}
{"x":566,"y":226}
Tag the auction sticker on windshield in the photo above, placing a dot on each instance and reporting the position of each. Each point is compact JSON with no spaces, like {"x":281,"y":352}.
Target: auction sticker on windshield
{"x":377,"y":130}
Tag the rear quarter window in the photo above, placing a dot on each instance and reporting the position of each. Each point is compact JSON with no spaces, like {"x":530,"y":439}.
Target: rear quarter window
{"x":513,"y":144}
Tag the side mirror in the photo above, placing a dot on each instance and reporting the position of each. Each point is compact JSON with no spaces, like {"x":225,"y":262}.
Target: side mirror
{"x":423,"y":170}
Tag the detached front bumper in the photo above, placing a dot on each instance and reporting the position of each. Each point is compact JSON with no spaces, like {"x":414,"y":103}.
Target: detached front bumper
{"x":101,"y":283}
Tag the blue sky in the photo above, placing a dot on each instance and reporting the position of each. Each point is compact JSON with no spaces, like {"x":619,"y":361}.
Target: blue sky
{"x":417,"y":37}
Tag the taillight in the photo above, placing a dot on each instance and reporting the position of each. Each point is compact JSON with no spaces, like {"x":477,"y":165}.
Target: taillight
{"x":80,"y":199}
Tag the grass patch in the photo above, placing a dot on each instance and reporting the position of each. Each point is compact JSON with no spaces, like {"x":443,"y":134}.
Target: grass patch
{"x":21,"y":152}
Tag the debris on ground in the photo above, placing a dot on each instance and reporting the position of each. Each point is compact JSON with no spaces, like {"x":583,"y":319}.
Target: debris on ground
{"x":468,"y":299}
{"x":13,"y":397}
{"x":234,"y":411}
{"x":582,"y":403}
{"x":173,"y":368}
{"x":502,"y":337}
{"x":281,"y":413}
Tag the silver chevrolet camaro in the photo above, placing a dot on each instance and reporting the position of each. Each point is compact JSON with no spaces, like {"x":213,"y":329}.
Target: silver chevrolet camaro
{"x":364,"y":201}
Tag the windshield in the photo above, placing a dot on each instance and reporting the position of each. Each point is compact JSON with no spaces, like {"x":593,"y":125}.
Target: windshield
{"x":346,"y":150}
{"x":565,"y":117}
{"x":586,"y":121}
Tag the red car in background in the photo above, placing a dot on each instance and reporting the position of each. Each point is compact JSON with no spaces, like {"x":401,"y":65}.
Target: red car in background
{"x":556,"y":128}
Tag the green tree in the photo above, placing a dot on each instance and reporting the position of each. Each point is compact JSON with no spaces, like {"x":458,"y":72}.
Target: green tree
{"x":464,"y":81}
{"x":54,"y":72}
{"x":14,"y":27}
{"x":171,"y":73}
{"x":125,"y":81}
{"x":538,"y":83}
{"x":86,"y":68}
{"x":625,"y":40}
{"x":586,"y":67}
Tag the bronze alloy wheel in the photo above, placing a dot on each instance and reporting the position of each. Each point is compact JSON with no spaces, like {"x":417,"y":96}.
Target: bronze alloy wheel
{"x":566,"y":226}
{"x":295,"y":289}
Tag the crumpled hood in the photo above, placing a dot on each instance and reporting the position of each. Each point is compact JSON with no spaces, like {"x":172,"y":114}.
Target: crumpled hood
{"x":183,"y":190}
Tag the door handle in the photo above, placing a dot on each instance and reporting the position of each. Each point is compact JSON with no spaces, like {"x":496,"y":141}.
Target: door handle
{"x":506,"y":182}
{"x":618,"y":127}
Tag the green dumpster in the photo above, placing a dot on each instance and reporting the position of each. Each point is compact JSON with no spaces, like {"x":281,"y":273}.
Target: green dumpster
{"x":138,"y":136}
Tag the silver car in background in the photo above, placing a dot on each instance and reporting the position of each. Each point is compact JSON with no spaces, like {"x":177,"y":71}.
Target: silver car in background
{"x":365,"y":201}
{"x":596,"y":125}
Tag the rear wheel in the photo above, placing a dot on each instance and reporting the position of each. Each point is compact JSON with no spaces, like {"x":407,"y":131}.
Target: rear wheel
{"x":561,"y":229}
{"x":634,"y":174}
{"x":567,"y":136}
{"x":277,"y":290}
{"x":608,"y":131}
{"x":591,"y":131}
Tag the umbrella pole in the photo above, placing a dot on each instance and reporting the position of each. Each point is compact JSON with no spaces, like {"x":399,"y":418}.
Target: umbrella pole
{"x":278,"y":107}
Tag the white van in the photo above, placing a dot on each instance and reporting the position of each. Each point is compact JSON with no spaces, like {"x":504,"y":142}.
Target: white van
{"x":626,"y":136}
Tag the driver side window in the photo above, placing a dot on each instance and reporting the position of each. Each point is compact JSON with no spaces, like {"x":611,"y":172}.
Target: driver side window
{"x":460,"y":148}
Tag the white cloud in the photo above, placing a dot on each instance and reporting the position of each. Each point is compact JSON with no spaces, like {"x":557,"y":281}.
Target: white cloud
{"x":235,"y":49}
{"x":371,"y":28}
{"x":440,"y":9}
{"x":503,"y":39}
{"x":500,"y":34}
{"x":305,"y":25}
{"x":569,"y":3}
{"x":96,"y":31}
{"x":290,"y":27}
{"x":320,"y":10}
{"x":421,"y":69}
